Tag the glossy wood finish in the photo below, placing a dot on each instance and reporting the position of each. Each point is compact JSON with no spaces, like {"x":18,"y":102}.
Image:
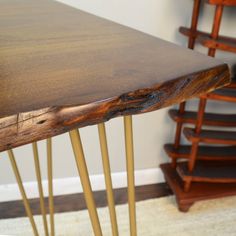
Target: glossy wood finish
{"x":79,"y":51}
{"x":198,"y":191}
{"x":62,"y":68}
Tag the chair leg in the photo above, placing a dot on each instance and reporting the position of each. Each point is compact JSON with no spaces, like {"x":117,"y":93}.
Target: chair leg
{"x":40,"y":187}
{"x":179,"y":126}
{"x":187,"y":185}
{"x":194,"y":149}
{"x":84,"y":177}
{"x":216,"y":27}
{"x":195,"y":16}
{"x":50,"y":186}
{"x":22,"y":191}
{"x":108,"y":180}
{"x":130,"y":173}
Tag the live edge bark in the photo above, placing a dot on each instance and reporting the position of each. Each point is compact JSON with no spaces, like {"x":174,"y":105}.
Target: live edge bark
{"x":32,"y":126}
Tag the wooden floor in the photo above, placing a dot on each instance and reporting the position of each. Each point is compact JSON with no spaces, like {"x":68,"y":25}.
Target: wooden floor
{"x":75,"y":202}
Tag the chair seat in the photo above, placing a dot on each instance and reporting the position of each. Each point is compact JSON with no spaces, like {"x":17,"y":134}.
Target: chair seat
{"x":219,"y":153}
{"x":211,"y":136}
{"x":208,"y":172}
{"x":210,"y":119}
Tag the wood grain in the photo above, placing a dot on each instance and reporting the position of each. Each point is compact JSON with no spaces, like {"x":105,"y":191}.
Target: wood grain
{"x":61,"y":68}
{"x":59,"y":120}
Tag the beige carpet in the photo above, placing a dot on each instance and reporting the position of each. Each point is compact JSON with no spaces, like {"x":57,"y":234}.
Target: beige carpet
{"x":154,"y":217}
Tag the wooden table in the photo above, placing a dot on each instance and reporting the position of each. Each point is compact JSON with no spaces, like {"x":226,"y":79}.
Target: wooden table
{"x":62,"y":69}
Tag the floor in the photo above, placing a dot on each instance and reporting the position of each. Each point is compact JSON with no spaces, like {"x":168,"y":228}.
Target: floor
{"x":155,"y":217}
{"x":75,"y":202}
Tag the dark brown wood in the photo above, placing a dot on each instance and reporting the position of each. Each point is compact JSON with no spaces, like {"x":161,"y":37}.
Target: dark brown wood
{"x":76,"y":202}
{"x":62,"y":68}
{"x":198,"y":191}
{"x":59,"y":120}
{"x":208,"y":171}
{"x":211,"y":136}
{"x":216,"y":153}
{"x":78,"y":58}
{"x":210,"y":119}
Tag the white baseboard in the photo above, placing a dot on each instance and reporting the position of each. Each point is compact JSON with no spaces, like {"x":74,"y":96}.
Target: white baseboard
{"x":10,"y":192}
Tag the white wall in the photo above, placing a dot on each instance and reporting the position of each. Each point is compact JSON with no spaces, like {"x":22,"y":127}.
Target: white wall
{"x":156,"y":17}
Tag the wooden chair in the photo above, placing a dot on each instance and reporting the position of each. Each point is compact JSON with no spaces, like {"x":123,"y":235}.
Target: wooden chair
{"x":224,"y":94}
{"x":205,"y":164}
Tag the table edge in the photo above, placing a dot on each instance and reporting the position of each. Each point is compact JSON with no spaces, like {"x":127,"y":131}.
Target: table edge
{"x":57,"y":120}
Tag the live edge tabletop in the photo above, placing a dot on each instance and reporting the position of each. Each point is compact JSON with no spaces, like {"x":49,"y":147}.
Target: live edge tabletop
{"x":62,"y":68}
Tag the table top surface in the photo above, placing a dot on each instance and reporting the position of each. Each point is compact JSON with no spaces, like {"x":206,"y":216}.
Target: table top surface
{"x":55,"y":57}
